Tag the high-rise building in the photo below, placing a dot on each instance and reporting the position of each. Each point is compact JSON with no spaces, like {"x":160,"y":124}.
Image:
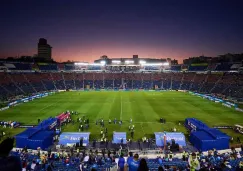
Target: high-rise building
{"x":44,"y":49}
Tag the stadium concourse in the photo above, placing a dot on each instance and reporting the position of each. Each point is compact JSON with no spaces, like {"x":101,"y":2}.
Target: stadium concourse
{"x":19,"y":83}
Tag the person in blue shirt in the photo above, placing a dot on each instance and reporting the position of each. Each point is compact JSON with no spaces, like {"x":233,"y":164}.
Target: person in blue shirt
{"x":130,"y":158}
{"x":160,"y":161}
{"x":94,"y":167}
{"x":121,"y":163}
{"x":134,"y":164}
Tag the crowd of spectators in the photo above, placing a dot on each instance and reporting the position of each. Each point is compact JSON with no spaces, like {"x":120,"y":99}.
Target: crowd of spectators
{"x":8,"y":124}
{"x":226,"y":84}
{"x":85,"y":160}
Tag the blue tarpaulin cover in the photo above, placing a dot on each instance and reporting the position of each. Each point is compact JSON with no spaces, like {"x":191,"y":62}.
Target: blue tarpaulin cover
{"x":39,"y":136}
{"x":205,"y":138}
{"x":194,"y":124}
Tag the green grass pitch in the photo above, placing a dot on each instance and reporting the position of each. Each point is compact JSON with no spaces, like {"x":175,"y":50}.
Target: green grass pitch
{"x":144,"y":107}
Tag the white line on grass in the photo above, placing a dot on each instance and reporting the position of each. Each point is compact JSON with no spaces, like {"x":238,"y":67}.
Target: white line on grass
{"x":121,"y":109}
{"x":111,"y":105}
{"x":50,"y":105}
{"x":142,"y":128}
{"x":153,"y":122}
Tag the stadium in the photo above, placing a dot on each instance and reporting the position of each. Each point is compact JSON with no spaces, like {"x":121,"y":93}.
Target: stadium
{"x":125,"y":105}
{"x":137,"y":85}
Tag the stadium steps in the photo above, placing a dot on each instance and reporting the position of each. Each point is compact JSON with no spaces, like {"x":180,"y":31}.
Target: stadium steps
{"x":29,"y":83}
{"x":216,"y":83}
{"x":64,"y":80}
{"x":15,"y":84}
{"x":54,"y":83}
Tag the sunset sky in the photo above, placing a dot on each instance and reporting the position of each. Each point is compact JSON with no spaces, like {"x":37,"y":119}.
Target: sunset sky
{"x":84,"y":30}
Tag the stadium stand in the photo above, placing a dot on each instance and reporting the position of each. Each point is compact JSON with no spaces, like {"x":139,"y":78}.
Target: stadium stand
{"x":175,"y":68}
{"x":15,"y":83}
{"x":223,"y":66}
{"x":226,"y":84}
{"x":105,"y":160}
{"x":22,"y":66}
{"x":152,"y":68}
{"x":197,"y":68}
{"x":47,"y":67}
{"x":235,"y":66}
{"x":69,"y":67}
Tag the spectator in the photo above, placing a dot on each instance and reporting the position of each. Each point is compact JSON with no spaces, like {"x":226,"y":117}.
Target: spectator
{"x":33,"y":164}
{"x":130,"y":158}
{"x":121,"y":163}
{"x":193,"y":162}
{"x":160,"y":160}
{"x":241,"y":165}
{"x":24,"y":165}
{"x":143,"y":165}
{"x":8,"y":163}
{"x":160,"y":168}
{"x":51,"y":167}
{"x":134,"y":164}
{"x":86,"y":158}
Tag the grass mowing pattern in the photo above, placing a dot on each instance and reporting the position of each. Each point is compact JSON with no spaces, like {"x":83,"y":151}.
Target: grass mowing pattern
{"x":145,"y":108}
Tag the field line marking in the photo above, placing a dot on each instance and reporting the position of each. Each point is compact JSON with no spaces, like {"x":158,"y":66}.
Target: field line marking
{"x":113,"y":101}
{"x":142,"y":128}
{"x":50,"y":105}
{"x":121,"y":109}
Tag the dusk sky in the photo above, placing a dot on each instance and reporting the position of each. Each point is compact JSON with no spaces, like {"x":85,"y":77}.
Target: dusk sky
{"x":84,"y":30}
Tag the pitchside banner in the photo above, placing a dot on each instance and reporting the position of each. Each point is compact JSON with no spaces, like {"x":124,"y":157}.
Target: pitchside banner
{"x":177,"y":136}
{"x":27,"y":99}
{"x":74,"y":137}
{"x":118,"y":136}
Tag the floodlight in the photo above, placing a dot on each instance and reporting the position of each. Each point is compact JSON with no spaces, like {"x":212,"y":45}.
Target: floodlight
{"x":166,"y":64}
{"x":129,"y":62}
{"x":103,"y":62}
{"x":116,"y":61}
{"x":142,"y":62}
{"x":80,"y":63}
{"x":152,"y":64}
{"x":96,"y":64}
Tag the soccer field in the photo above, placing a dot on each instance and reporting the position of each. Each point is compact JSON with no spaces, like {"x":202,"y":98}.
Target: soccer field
{"x":144,"y":107}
